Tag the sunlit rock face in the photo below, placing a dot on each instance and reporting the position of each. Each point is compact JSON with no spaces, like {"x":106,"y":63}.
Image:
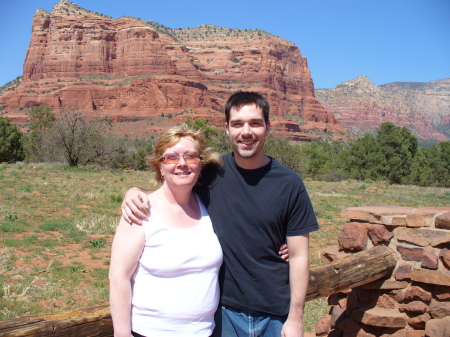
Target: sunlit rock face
{"x":128,"y":69}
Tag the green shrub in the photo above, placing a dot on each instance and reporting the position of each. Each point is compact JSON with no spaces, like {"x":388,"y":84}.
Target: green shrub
{"x":116,"y":197}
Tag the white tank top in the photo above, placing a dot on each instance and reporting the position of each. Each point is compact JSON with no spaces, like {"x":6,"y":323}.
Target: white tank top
{"x":175,"y":286}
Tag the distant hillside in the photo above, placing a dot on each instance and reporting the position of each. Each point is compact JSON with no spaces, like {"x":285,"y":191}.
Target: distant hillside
{"x":361,"y":106}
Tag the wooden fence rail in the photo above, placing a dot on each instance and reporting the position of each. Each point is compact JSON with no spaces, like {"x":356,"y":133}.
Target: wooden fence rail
{"x":356,"y":270}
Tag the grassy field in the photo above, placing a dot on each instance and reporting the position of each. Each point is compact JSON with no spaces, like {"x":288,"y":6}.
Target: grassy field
{"x":57,"y":224}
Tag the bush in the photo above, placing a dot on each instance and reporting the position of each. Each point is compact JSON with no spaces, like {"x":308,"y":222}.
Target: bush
{"x":72,"y":139}
{"x":11,"y":145}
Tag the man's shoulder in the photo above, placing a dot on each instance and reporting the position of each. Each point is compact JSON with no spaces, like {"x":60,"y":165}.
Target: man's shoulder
{"x":227,"y":157}
{"x":214,"y":171}
{"x":280,"y":168}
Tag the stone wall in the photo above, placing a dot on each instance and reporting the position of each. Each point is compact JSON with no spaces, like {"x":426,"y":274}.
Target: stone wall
{"x":415,"y":300}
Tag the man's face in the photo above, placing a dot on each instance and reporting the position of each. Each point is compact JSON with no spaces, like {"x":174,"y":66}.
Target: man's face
{"x":247,"y":131}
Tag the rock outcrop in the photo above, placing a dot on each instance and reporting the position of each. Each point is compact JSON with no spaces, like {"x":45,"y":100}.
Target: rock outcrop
{"x":361,"y":106}
{"x":415,"y":299}
{"x":127,"y":69}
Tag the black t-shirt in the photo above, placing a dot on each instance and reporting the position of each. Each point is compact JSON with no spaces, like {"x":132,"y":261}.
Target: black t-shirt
{"x":252,"y":213}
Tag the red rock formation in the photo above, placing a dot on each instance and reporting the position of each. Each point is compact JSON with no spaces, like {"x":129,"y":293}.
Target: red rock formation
{"x":128,"y":69}
{"x":362,"y":106}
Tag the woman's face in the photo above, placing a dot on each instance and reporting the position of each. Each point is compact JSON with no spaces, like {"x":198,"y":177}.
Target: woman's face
{"x":184,"y":170}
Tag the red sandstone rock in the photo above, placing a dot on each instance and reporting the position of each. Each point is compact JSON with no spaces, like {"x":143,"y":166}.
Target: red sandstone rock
{"x":418,"y":219}
{"x":362,"y":106}
{"x":432,"y":210}
{"x":439,"y":309}
{"x":443,"y":220}
{"x":397,"y":295}
{"x":426,"y":256}
{"x":359,"y":297}
{"x":415,"y":293}
{"x":424,"y":236}
{"x":394,"y":220}
{"x":442,"y":292}
{"x":332,"y":253}
{"x":431,"y":277}
{"x":410,"y":253}
{"x":415,"y":307}
{"x":352,"y":328}
{"x":386,"y":302}
{"x":386,"y":284}
{"x":126,"y":68}
{"x":379,"y":317}
{"x":374,"y":214}
{"x":418,"y":322}
{"x":429,"y":259}
{"x":379,"y":234}
{"x":438,"y":327}
{"x":403,"y":272}
{"x":353,"y":236}
{"x":444,"y":255}
{"x":415,"y":333}
{"x":323,"y":327}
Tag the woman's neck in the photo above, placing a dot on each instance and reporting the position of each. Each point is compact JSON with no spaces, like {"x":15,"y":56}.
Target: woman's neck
{"x":180,"y":207}
{"x":179,"y":196}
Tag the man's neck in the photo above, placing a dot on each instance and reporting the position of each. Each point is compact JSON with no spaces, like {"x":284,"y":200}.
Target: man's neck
{"x":251,"y":163}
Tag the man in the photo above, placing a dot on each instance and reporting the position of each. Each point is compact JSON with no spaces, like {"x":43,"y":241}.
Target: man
{"x":255,"y":203}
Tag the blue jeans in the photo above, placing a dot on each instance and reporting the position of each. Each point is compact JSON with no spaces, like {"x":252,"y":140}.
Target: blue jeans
{"x":231,"y":322}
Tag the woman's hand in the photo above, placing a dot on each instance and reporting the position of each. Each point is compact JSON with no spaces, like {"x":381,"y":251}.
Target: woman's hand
{"x":284,"y":252}
{"x":135,"y":206}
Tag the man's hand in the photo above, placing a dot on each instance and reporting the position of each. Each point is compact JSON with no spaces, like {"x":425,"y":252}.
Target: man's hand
{"x":292,"y":329}
{"x":135,"y":206}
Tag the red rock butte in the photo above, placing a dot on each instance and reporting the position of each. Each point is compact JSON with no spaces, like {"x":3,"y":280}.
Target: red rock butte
{"x":361,"y":106}
{"x":127,"y":69}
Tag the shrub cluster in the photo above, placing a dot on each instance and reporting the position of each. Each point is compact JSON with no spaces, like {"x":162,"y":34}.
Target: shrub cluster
{"x":392,"y":155}
{"x":72,"y":139}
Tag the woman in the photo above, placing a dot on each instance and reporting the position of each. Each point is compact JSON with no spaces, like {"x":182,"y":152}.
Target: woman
{"x":163,"y":275}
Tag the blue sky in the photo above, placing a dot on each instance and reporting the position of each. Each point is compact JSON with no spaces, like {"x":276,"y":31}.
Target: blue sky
{"x":385,"y":40}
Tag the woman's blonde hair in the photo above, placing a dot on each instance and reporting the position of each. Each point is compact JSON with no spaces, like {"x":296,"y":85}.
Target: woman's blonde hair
{"x":171,"y":137}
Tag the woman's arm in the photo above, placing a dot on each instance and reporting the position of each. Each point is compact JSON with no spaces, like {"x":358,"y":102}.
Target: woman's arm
{"x":126,"y":249}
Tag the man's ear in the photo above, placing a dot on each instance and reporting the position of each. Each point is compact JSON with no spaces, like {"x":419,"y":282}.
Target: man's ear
{"x":267,"y":128}
{"x":226,"y":129}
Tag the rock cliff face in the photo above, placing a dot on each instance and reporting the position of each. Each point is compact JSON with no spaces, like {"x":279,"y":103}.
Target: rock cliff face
{"x":361,"y":106}
{"x":127,"y":69}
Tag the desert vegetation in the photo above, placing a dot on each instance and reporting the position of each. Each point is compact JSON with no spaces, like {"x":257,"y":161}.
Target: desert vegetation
{"x":63,"y":182}
{"x":57,"y":223}
{"x":391,"y":155}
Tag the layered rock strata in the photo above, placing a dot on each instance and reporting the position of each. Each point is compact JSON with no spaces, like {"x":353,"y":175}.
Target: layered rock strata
{"x":127,"y":69}
{"x":361,"y":106}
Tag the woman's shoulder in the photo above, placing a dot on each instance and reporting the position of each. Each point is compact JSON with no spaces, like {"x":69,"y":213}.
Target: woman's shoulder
{"x":154,"y":198}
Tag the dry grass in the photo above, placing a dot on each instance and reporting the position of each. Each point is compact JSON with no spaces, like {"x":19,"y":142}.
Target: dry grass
{"x":57,"y":224}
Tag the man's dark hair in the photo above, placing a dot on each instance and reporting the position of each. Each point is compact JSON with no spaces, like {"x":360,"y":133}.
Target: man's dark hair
{"x":241,"y":98}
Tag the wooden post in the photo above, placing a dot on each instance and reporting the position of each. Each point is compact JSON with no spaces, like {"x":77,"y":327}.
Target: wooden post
{"x":353,"y":271}
{"x":94,"y":321}
{"x":358,"y":269}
